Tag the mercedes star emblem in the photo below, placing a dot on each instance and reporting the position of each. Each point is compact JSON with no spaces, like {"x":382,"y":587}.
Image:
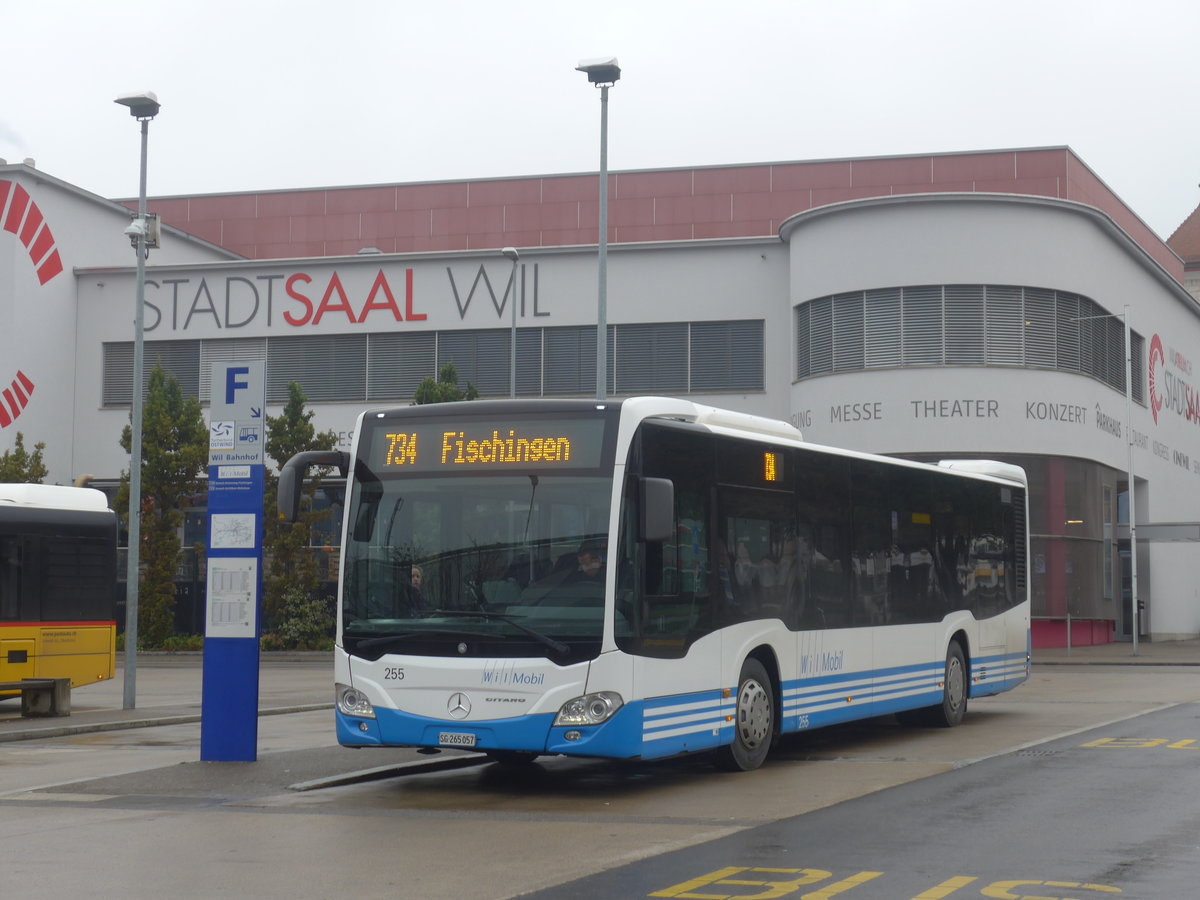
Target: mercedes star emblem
{"x":459,"y":705}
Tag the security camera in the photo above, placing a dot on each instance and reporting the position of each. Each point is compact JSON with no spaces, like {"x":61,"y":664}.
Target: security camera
{"x":136,"y":229}
{"x":601,"y":70}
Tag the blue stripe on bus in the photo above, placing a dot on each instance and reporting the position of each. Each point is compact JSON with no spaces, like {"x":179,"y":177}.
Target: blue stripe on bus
{"x":666,"y":726}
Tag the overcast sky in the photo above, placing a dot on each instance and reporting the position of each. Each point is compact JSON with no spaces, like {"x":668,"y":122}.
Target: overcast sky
{"x":258,"y":94}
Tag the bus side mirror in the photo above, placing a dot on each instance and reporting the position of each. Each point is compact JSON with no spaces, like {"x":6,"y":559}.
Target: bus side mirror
{"x":291,"y":477}
{"x":658,"y":509}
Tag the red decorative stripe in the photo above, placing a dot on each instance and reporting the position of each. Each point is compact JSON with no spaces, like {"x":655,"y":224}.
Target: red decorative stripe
{"x":25,"y":382}
{"x":35,"y":233}
{"x":51,"y":267}
{"x":33,"y":222}
{"x":16,"y":211}
{"x":5,"y":418}
{"x":43,"y":245}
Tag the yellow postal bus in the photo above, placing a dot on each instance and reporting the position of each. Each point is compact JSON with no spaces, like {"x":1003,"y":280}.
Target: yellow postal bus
{"x":58,"y":577}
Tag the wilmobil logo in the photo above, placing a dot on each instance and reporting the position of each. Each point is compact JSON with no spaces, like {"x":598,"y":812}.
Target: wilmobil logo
{"x":507,"y":675}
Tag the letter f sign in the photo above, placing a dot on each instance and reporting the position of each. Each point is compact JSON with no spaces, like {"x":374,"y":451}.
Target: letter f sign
{"x":232,"y":384}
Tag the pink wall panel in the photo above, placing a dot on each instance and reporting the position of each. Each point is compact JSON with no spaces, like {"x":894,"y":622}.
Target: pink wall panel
{"x":793,"y":176}
{"x":210,"y":231}
{"x":498,"y":193}
{"x":172,"y":210}
{"x":825,"y":196}
{"x":292,"y":203}
{"x":633,"y":233}
{"x":786,"y":203}
{"x":639,"y":211}
{"x":371,"y":199}
{"x":652,"y":184}
{"x":528,"y":216}
{"x":574,"y":187}
{"x":570,"y":237}
{"x":674,"y":210}
{"x":712,"y":208}
{"x":514,"y":238}
{"x":881,"y":172}
{"x":485,"y":220}
{"x":223,"y":206}
{"x":431,"y":196}
{"x":448,"y":221}
{"x":973,"y":166}
{"x":733,"y":180}
{"x":436,"y":242}
{"x":751,"y":228}
{"x":926,"y":188}
{"x":1042,"y":163}
{"x":561,"y":215}
{"x":351,"y":247}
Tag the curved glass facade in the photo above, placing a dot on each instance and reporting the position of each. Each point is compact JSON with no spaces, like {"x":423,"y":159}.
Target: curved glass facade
{"x":964,"y":325}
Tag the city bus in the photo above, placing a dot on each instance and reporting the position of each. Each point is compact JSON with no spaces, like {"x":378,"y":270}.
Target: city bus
{"x":58,"y":583}
{"x":647,"y":577}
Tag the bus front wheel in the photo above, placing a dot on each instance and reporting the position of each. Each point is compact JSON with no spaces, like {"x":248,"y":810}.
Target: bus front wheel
{"x":754,"y":720}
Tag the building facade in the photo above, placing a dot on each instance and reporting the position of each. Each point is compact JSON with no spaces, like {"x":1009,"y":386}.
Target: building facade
{"x":932,"y":307}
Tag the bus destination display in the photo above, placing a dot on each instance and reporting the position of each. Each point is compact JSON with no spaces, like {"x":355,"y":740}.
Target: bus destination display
{"x":545,"y":444}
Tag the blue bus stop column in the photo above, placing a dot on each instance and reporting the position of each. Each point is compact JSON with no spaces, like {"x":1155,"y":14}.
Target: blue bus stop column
{"x":229,"y":712}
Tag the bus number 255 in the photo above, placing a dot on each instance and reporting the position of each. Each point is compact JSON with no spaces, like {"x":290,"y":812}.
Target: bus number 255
{"x":393,"y":673}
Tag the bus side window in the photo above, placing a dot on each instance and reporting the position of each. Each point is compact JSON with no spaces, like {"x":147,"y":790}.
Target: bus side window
{"x":10,"y":578}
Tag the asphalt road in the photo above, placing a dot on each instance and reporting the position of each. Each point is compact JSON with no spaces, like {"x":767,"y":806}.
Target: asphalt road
{"x":133,"y":813}
{"x":1103,"y":813}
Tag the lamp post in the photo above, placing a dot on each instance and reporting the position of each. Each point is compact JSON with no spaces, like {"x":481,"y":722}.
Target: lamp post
{"x":511,"y":253}
{"x":603,"y":73}
{"x":1133,"y":581}
{"x":142,"y":107}
{"x":1133,"y":585}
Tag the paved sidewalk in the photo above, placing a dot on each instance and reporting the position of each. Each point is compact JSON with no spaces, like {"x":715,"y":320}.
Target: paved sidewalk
{"x":169,"y":687}
{"x":1150,"y":653}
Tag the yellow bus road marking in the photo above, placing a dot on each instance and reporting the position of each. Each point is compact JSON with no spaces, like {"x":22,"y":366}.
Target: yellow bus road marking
{"x":1000,"y":889}
{"x":946,"y":888}
{"x":1118,"y":743}
{"x":769,"y":888}
{"x":844,"y":885}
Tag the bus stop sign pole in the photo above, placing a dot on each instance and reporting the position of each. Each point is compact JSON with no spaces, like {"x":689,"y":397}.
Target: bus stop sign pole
{"x":236,"y":434}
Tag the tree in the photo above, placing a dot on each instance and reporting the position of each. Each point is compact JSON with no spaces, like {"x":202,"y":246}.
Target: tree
{"x":19,"y":466}
{"x":445,"y":389}
{"x":174,"y":454}
{"x":290,"y":578}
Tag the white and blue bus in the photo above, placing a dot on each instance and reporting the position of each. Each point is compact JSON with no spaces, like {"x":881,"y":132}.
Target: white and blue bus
{"x":646,"y":577}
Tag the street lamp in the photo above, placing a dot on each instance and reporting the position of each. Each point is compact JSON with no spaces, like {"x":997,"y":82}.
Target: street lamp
{"x":142,"y":107}
{"x":603,"y":73}
{"x":1133,"y":582}
{"x":511,"y":253}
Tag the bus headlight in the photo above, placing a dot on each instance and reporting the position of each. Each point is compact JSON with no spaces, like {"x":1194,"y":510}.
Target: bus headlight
{"x":353,"y":702}
{"x":590,"y":709}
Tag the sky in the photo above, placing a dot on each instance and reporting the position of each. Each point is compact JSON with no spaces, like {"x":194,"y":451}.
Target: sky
{"x":265,"y":95}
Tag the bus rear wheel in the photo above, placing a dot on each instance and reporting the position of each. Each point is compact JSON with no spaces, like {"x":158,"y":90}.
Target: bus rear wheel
{"x":754,"y":720}
{"x":954,"y":691}
{"x":953,"y":708}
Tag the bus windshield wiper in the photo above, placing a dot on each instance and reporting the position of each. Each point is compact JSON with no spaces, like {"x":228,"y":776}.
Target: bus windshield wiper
{"x":369,"y":644}
{"x":545,"y":639}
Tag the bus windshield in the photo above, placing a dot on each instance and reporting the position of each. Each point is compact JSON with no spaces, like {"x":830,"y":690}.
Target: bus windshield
{"x":507,"y":565}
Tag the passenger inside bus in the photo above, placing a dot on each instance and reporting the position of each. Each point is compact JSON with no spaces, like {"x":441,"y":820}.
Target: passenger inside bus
{"x":577,"y":577}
